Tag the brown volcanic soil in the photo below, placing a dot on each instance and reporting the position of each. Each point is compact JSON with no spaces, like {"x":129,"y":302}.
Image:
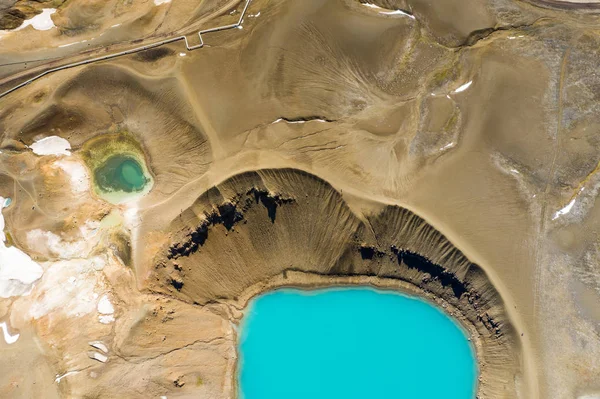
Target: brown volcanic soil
{"x":288,"y":226}
{"x":453,"y":156}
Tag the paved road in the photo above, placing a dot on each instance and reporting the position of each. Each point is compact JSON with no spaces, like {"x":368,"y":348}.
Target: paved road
{"x":133,"y":50}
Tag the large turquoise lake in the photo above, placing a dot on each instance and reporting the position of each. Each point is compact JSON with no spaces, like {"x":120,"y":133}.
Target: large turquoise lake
{"x":352,"y":343}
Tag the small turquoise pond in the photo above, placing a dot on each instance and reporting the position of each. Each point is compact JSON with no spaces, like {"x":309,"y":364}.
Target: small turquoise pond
{"x":120,"y":173}
{"x":352,"y":343}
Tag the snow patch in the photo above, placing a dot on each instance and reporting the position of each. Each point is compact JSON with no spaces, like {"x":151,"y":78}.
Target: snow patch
{"x":8,"y":337}
{"x":398,"y":12}
{"x":104,"y":306}
{"x":463,"y":87}
{"x":384,"y":11}
{"x":68,"y":373}
{"x":17,"y":271}
{"x":298,"y":121}
{"x":564,"y":210}
{"x":99,"y":345}
{"x":98,"y":356}
{"x":159,"y":2}
{"x":447,"y":146}
{"x":104,"y":319}
{"x":41,"y":21}
{"x":52,"y":145}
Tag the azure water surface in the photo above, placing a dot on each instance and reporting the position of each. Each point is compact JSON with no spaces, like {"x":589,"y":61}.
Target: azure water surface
{"x":352,"y":343}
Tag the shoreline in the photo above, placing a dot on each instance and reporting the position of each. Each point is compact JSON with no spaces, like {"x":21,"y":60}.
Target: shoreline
{"x":399,"y":251}
{"x":313,"y":282}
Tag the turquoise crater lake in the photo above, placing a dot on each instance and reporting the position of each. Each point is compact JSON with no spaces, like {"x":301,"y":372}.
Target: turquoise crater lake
{"x":121,"y":173}
{"x":352,"y":343}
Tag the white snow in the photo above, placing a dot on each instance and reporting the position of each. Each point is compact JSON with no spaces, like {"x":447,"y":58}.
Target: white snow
{"x":17,"y":271}
{"x":449,"y":145}
{"x":159,"y":2}
{"x":104,"y":319}
{"x":99,"y":345}
{"x":394,"y":12}
{"x":98,"y":356}
{"x":398,"y":12}
{"x":564,"y":210}
{"x":68,"y":373}
{"x":296,"y":122}
{"x":41,"y":21}
{"x":52,"y":145}
{"x":104,"y":306}
{"x":10,"y":339}
{"x":463,"y":87}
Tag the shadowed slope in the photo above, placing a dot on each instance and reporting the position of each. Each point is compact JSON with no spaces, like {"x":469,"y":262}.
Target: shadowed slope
{"x":227,"y":247}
